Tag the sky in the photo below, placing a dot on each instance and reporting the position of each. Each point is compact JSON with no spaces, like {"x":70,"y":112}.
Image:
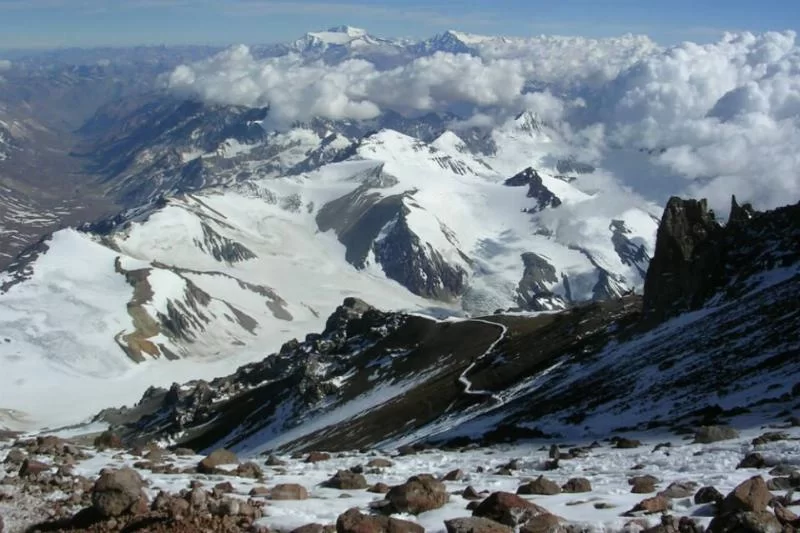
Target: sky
{"x":86,"y":23}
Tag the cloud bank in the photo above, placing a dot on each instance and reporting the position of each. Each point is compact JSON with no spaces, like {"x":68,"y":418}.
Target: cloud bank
{"x":5,"y":64}
{"x":705,"y":120}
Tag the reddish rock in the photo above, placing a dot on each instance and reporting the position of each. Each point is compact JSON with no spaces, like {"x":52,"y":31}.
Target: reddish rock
{"x":545,"y":523}
{"x":217,"y":458}
{"x":576,"y":485}
{"x":317,"y":457}
{"x":508,"y":509}
{"x":475,"y":524}
{"x":314,"y":528}
{"x":750,"y":496}
{"x":32,"y":468}
{"x":108,"y":439}
{"x":540,"y":485}
{"x":354,"y":521}
{"x":289,"y":491}
{"x":116,"y":492}
{"x":379,"y":488}
{"x":379,"y":463}
{"x":417,"y":495}
{"x":643,"y":484}
{"x":454,"y":475}
{"x":346,"y":480}
{"x":259,"y":491}
{"x":471,"y":494}
{"x":656,"y":504}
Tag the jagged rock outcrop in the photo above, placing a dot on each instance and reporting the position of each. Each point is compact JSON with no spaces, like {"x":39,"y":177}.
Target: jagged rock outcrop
{"x":536,"y":189}
{"x":688,"y":261}
{"x":534,"y":289}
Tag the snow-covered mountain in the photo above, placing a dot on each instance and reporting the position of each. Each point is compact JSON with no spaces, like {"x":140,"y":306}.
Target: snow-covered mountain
{"x":250,"y":238}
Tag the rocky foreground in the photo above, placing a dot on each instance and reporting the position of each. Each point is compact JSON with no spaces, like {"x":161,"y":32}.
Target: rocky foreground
{"x":715,"y":479}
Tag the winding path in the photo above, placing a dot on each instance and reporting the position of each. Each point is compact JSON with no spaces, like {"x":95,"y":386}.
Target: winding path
{"x":463,"y":377}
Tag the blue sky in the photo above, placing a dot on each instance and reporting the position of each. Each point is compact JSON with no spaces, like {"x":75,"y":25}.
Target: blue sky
{"x":55,"y":23}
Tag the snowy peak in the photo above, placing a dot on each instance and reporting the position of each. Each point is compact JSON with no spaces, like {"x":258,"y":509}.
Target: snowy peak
{"x":528,"y":122}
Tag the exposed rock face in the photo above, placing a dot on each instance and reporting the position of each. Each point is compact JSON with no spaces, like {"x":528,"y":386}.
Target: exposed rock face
{"x":417,"y":495}
{"x":536,"y":189}
{"x":533,"y":291}
{"x":688,"y":260}
{"x":750,"y":496}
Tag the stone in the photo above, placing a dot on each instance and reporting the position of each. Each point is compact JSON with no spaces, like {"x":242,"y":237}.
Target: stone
{"x":779,"y":483}
{"x":116,"y":492}
{"x":197,"y":498}
{"x":627,"y":444}
{"x":656,"y":504}
{"x":745,"y":522}
{"x":679,"y":489}
{"x":289,"y":491}
{"x":454,"y":475}
{"x":317,"y":457}
{"x":540,"y":485}
{"x":643,"y":484}
{"x":15,"y":456}
{"x":475,"y":524}
{"x":217,"y":458}
{"x":249,"y":470}
{"x":576,"y":485}
{"x":544,"y":523}
{"x":354,"y":521}
{"x":274,"y":461}
{"x":32,"y":468}
{"x":752,"y":460}
{"x":709,"y":434}
{"x":379,"y":463}
{"x":508,"y":509}
{"x":379,"y":488}
{"x":708,"y":495}
{"x":346,"y":480}
{"x":770,"y":436}
{"x":471,"y":494}
{"x":750,"y":496}
{"x":259,"y":491}
{"x":108,"y":439}
{"x":417,"y":495}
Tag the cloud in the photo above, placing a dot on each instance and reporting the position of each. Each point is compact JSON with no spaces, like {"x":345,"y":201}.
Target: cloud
{"x":702,"y":120}
{"x":5,"y":64}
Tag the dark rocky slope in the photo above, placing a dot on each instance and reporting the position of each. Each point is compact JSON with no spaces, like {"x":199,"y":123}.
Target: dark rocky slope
{"x":383,"y":378}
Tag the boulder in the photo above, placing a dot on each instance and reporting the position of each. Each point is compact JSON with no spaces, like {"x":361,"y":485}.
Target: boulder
{"x":354,"y":521}
{"x":508,"y":509}
{"x":656,"y":504}
{"x":417,"y":495}
{"x":211,"y":463}
{"x":116,"y":492}
{"x":259,"y":491}
{"x":708,"y":495}
{"x":15,"y":456}
{"x":475,"y":524}
{"x":643,"y":484}
{"x":577,"y":484}
{"x":770,"y":436}
{"x":471,"y":494}
{"x":317,"y":457}
{"x":627,"y":444}
{"x":544,"y":523}
{"x":752,"y":460}
{"x":454,"y":475}
{"x":289,"y":491}
{"x":379,"y":463}
{"x":32,"y":468}
{"x":274,"y":461}
{"x":750,"y":496}
{"x":540,"y":485}
{"x":108,"y":439}
{"x":379,"y":488}
{"x":679,"y":489}
{"x":314,"y":528}
{"x":745,"y":522}
{"x":346,"y":480}
{"x":709,"y":434}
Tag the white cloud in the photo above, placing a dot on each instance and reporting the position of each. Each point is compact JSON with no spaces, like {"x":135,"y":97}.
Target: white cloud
{"x":5,"y":64}
{"x":715,"y":119}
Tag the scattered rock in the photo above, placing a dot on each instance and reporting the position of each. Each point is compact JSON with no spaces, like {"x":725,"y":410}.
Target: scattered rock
{"x":314,"y":528}
{"x":643,"y":484}
{"x":779,"y":483}
{"x":627,"y":444}
{"x":15,"y":456}
{"x":709,"y":434}
{"x":346,"y":480}
{"x":708,"y":495}
{"x":544,"y":523}
{"x":249,"y":470}
{"x":454,"y":475}
{"x":108,"y":439}
{"x":475,"y":524}
{"x":354,"y":521}
{"x":379,"y":463}
{"x":679,"y":489}
{"x":32,"y":468}
{"x":217,"y":458}
{"x":417,"y":495}
{"x":260,"y":492}
{"x":656,"y":504}
{"x":317,"y":457}
{"x":471,"y":494}
{"x":745,"y":522}
{"x":540,"y":485}
{"x":577,"y":484}
{"x":752,"y":460}
{"x":379,"y":488}
{"x":274,"y":461}
{"x":750,"y":496}
{"x":508,"y":509}
{"x":224,"y":487}
{"x":116,"y":492}
{"x":289,"y":491}
{"x":786,"y":517}
{"x":770,"y":436}
{"x":783,"y":470}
